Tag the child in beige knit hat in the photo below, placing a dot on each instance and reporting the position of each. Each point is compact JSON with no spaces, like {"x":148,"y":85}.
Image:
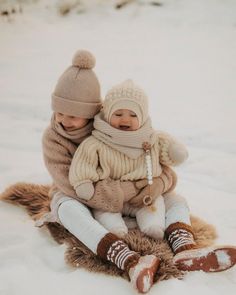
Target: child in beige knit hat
{"x":75,"y":101}
{"x":124,"y":146}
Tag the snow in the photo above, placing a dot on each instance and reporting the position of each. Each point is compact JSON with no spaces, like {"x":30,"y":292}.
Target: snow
{"x":223,"y":258}
{"x":184,"y":55}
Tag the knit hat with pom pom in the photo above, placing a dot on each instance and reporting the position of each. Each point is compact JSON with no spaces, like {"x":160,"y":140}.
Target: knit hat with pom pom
{"x":77,"y":92}
{"x":129,"y":96}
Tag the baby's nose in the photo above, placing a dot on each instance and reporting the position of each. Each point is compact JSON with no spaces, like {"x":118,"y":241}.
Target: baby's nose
{"x":125,"y":119}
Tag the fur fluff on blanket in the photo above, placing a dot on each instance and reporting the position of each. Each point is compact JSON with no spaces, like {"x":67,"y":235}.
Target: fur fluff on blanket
{"x":34,"y":198}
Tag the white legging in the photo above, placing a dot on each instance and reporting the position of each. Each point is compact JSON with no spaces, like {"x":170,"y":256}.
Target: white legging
{"x":177,"y":209}
{"x":79,"y":221}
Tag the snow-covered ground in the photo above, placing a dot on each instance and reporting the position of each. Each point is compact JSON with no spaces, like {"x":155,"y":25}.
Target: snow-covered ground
{"x":184,"y":55}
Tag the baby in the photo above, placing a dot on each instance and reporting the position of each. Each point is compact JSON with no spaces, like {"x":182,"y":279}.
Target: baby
{"x":124,"y":146}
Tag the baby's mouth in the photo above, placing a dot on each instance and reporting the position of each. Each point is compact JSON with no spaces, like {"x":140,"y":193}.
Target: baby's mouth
{"x":124,"y":127}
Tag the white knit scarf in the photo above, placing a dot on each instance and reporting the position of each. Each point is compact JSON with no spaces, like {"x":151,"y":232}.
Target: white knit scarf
{"x":76,"y":136}
{"x":127,"y":142}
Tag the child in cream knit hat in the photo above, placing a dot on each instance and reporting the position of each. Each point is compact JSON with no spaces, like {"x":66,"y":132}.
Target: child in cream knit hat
{"x":124,"y":146}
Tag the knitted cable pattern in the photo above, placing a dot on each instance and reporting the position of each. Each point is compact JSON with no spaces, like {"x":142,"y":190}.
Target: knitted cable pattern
{"x":164,"y":143}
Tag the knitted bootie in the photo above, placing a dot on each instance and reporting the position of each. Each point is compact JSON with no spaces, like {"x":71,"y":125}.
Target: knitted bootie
{"x":189,"y":257}
{"x":208,"y":259}
{"x":141,"y":270}
{"x":180,"y":237}
{"x":113,"y":249}
{"x":142,"y":274}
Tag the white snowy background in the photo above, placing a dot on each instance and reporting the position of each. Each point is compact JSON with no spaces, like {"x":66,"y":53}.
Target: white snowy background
{"x":184,"y":55}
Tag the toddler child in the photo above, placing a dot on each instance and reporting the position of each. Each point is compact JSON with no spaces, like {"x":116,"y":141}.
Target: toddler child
{"x":125,"y":147}
{"x":121,"y":147}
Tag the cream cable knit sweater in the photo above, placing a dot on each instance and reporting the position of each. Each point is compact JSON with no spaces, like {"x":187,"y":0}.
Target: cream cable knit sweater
{"x":94,"y":160}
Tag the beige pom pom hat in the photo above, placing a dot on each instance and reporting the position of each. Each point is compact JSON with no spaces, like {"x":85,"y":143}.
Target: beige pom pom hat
{"x":129,"y":96}
{"x":77,"y":92}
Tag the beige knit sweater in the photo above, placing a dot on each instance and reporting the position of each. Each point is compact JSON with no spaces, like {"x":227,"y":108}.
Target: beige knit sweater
{"x":95,"y":160}
{"x":58,"y":152}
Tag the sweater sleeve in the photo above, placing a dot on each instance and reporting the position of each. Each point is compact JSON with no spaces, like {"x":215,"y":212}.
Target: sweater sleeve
{"x":57,"y":159}
{"x":84,"y":163}
{"x":172,"y":152}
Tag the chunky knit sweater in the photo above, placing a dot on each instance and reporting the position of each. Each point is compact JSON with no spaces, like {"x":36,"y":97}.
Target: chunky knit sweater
{"x":95,"y":160}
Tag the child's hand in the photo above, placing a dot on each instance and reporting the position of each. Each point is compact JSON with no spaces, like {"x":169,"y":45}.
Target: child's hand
{"x":155,"y":190}
{"x":85,"y":190}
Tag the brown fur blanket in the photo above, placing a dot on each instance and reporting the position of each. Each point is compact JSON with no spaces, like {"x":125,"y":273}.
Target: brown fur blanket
{"x":34,"y":198}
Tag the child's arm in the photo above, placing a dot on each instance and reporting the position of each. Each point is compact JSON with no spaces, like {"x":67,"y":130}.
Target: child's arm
{"x":172,"y":152}
{"x":57,"y":160}
{"x":83,"y":169}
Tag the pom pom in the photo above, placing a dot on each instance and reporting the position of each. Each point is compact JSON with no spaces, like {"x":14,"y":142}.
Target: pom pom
{"x":83,"y":59}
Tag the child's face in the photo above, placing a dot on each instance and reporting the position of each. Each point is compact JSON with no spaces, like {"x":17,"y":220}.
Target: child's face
{"x":70,"y":123}
{"x":125,"y":120}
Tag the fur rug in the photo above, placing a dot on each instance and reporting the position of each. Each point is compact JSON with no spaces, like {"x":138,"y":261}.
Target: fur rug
{"x":34,"y":198}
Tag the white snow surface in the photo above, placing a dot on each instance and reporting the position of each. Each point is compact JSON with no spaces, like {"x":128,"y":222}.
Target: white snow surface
{"x":184,"y":55}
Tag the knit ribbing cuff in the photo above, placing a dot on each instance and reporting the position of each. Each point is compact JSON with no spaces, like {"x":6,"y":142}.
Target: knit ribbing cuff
{"x":105,"y":244}
{"x":180,"y":237}
{"x":75,"y":108}
{"x":178,"y":225}
{"x":115,"y":250}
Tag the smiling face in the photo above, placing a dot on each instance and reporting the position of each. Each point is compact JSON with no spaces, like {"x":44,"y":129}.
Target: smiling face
{"x":125,"y":120}
{"x":70,"y":123}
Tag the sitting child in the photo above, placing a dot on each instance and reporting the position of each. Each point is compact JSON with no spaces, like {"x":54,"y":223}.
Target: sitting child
{"x":75,"y":101}
{"x":124,"y":146}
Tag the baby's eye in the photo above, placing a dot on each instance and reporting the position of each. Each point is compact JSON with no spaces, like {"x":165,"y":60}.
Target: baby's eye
{"x":133,"y":115}
{"x":118,"y":115}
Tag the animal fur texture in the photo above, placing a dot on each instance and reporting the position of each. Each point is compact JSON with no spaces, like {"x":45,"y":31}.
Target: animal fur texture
{"x":34,"y":198}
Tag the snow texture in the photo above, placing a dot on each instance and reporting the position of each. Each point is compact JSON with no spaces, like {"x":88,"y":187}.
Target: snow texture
{"x":183,"y":54}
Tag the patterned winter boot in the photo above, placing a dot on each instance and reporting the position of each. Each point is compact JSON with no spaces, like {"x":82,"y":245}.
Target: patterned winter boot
{"x":189,"y":257}
{"x":141,"y":270}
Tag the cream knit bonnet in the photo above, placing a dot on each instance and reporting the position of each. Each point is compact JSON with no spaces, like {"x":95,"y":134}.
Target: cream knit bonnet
{"x":129,"y":96}
{"x":77,"y":92}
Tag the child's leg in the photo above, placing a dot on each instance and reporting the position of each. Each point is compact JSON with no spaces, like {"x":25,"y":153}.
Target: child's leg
{"x":77,"y":218}
{"x":113,"y":222}
{"x":180,"y":236}
{"x":79,"y":221}
{"x":151,"y":219}
{"x":178,"y":230}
